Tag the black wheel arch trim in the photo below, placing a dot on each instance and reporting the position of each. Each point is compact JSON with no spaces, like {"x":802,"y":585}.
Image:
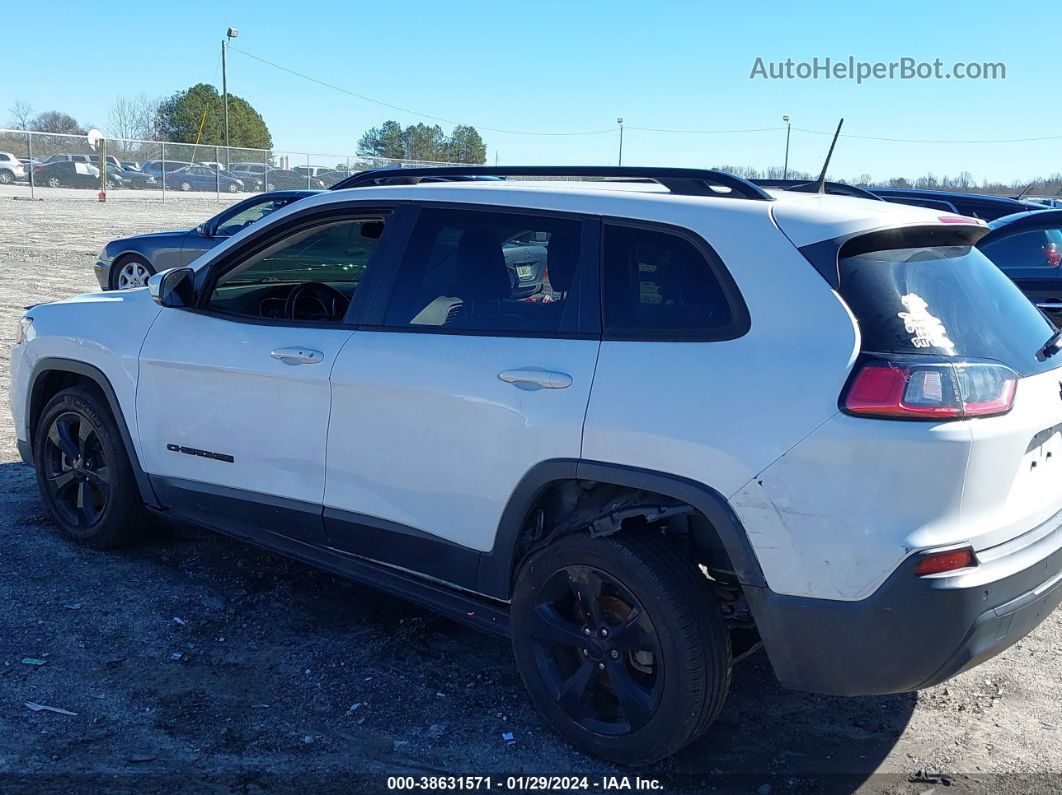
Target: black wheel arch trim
{"x":497,"y":567}
{"x":97,"y":376}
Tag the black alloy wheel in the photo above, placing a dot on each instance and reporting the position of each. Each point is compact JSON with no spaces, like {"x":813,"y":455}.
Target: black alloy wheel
{"x":597,"y":650}
{"x":76,"y":470}
{"x":621,"y":643}
{"x":84,"y":473}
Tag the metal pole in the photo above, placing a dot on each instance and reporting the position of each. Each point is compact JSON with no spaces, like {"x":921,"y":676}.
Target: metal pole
{"x":225,"y":86}
{"x":217,"y":171}
{"x":308,"y":169}
{"x":785,"y":168}
{"x":619,"y":121}
{"x":29,"y":154}
{"x":163,"y":170}
{"x":103,"y":169}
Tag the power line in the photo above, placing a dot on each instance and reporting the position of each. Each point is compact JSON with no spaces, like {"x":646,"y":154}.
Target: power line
{"x":935,"y":140}
{"x":706,"y":132}
{"x":610,"y":131}
{"x":410,"y":110}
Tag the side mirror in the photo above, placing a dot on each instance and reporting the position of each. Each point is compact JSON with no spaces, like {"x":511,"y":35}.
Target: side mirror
{"x":174,"y":287}
{"x":203,"y":230}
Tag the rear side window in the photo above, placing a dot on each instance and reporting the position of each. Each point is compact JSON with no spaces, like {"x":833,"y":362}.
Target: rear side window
{"x":1041,"y":248}
{"x":943,"y":300}
{"x":504,"y":273}
{"x":661,"y":285}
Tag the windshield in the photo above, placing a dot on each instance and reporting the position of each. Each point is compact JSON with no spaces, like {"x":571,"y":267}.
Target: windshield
{"x":943,"y":300}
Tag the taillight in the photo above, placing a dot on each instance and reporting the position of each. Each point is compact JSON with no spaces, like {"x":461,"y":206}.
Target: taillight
{"x":938,"y":562}
{"x":929,"y":388}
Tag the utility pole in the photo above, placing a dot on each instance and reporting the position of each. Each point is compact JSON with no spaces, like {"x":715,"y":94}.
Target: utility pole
{"x":785,"y":168}
{"x":619,"y":121}
{"x":231,"y":34}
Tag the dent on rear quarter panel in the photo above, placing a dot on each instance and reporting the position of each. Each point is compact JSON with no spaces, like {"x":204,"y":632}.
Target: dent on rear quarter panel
{"x":834,"y":516}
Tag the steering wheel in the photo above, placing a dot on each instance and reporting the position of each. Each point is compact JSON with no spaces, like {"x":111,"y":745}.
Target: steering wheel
{"x":315,"y":301}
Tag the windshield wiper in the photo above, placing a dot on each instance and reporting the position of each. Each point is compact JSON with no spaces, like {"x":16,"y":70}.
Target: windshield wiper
{"x":1051,"y":347}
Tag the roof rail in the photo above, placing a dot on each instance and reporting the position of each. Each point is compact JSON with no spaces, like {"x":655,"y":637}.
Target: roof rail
{"x":680,"y":181}
{"x":803,"y":186}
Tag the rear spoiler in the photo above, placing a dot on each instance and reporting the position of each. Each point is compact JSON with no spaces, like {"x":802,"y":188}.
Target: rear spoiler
{"x":825,"y":256}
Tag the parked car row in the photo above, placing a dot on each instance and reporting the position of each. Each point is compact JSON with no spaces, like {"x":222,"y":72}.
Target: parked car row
{"x":175,"y":174}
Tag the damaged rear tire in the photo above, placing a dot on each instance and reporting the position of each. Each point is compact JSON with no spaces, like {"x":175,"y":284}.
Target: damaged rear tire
{"x":621,"y":645}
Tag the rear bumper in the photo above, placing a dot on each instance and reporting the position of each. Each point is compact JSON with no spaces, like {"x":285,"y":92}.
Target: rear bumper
{"x":914,"y":632}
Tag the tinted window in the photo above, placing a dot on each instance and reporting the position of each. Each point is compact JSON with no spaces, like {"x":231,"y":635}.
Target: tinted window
{"x":480,"y":271}
{"x":311,"y":275}
{"x":658,"y":284}
{"x":944,"y":300}
{"x":1036,"y":249}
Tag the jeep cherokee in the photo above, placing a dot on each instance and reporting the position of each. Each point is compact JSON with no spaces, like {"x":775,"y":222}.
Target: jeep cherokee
{"x":731,"y":417}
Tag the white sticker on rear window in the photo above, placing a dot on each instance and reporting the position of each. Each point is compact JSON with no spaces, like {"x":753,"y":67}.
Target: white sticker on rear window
{"x":926,"y":330}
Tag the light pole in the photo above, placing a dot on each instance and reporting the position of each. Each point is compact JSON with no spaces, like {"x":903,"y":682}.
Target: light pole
{"x":619,"y":121}
{"x":231,"y":34}
{"x":785,"y":168}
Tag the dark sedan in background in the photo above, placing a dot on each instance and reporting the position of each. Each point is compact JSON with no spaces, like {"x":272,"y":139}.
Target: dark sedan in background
{"x":128,"y":262}
{"x":202,"y":178}
{"x":1028,"y":248}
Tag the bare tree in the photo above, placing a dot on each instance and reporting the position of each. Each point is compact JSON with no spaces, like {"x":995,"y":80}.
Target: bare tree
{"x":132,"y":117}
{"x":21,"y":113}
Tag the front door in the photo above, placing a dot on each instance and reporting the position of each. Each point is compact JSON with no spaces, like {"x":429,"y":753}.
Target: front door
{"x":233,"y":398}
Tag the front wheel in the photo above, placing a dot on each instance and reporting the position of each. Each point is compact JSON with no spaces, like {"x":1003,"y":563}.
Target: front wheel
{"x":130,"y":273}
{"x":83,"y":471}
{"x":6,"y":177}
{"x":186,"y":186}
{"x":233,"y":187}
{"x":621,"y":645}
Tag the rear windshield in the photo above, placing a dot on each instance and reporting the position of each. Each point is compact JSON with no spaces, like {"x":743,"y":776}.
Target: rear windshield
{"x":943,"y":300}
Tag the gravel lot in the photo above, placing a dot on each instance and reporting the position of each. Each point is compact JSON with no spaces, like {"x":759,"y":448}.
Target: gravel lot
{"x":196,"y":663}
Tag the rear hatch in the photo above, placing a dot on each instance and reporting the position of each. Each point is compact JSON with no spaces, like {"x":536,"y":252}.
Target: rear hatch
{"x":947,"y":337}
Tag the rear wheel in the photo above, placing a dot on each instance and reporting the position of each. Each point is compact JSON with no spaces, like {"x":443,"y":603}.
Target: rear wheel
{"x":55,"y":182}
{"x":621,"y":645}
{"x":83,"y":471}
{"x":186,"y":186}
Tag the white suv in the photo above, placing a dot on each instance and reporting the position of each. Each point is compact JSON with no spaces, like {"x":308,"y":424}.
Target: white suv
{"x":11,"y":168}
{"x":729,"y":417}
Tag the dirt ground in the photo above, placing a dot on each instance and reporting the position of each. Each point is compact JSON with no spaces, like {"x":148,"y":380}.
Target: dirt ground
{"x":196,"y":663}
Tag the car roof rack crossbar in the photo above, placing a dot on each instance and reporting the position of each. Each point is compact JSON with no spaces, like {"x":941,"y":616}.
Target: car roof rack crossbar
{"x":680,"y":181}
{"x":803,"y":186}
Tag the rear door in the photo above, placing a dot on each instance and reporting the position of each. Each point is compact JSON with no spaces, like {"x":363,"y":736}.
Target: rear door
{"x":456,"y":387}
{"x":1031,"y":257}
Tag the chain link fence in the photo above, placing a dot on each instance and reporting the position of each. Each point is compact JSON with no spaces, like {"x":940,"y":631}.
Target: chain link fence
{"x":53,"y":165}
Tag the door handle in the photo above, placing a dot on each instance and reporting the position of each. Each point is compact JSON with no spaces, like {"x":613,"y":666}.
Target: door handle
{"x":1050,"y":305}
{"x":545,"y":379}
{"x":298,"y":355}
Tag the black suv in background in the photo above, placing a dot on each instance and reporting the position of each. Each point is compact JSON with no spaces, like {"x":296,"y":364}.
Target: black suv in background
{"x":973,"y":205}
{"x":1028,"y":248}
